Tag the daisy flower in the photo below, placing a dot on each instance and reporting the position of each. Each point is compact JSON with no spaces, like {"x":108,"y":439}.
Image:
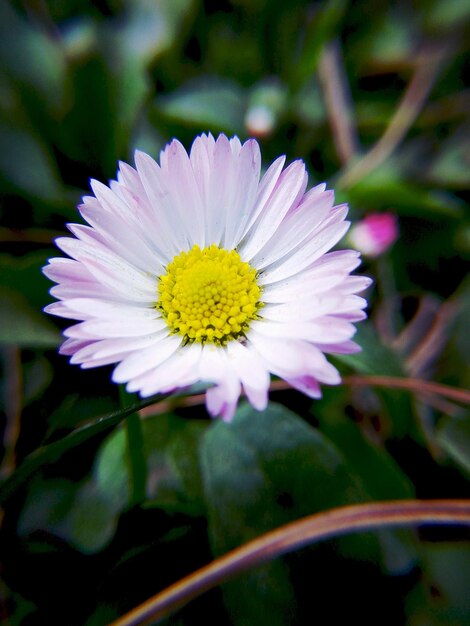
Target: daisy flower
{"x":200,"y":269}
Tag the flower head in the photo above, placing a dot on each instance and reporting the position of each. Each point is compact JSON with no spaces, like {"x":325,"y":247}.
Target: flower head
{"x":196,"y":269}
{"x":375,"y":234}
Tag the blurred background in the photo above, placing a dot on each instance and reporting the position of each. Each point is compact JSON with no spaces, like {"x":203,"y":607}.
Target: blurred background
{"x":375,"y":98}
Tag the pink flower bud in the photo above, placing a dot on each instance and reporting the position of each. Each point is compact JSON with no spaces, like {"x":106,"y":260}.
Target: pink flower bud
{"x":375,"y":234}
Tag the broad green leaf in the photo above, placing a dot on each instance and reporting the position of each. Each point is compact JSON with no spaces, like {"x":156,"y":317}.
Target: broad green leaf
{"x":451,"y":167}
{"x":76,"y":409}
{"x":91,"y":522}
{"x":23,"y":293}
{"x":378,"y":472}
{"x":91,"y":136}
{"x":32,"y":59}
{"x":320,"y":30}
{"x":75,"y":513}
{"x":446,"y":14}
{"x":37,"y":376}
{"x":53,"y":451}
{"x":380,"y":477}
{"x":207,"y":104}
{"x":151,"y":27}
{"x":23,"y":274}
{"x":377,"y":359}
{"x":387,"y":187}
{"x":442,"y":599}
{"x":27,"y":165}
{"x":393,"y":39}
{"x":453,"y":435}
{"x":86,"y":515}
{"x":22,"y":325}
{"x":170,"y":448}
{"x":308,"y":104}
{"x":260,"y":471}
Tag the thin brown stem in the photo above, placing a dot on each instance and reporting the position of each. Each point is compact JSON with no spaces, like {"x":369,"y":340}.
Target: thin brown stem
{"x":338,"y":101}
{"x":295,"y":535}
{"x":13,"y":397}
{"x":413,"y":384}
{"x":428,"y":64}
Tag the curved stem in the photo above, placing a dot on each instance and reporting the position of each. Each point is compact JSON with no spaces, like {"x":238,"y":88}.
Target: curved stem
{"x":310,"y":529}
{"x":413,"y":384}
{"x":428,"y":64}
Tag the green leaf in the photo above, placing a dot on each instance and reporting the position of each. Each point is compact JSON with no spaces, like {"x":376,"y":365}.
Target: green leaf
{"x":26,"y":163}
{"x":75,"y":513}
{"x":91,"y":522}
{"x":22,"y":325}
{"x":86,"y":515}
{"x":393,"y":39}
{"x":453,"y":435}
{"x":135,"y":455}
{"x":379,"y":474}
{"x":32,"y":59}
{"x":380,"y":477}
{"x":442,"y":599}
{"x":206,"y":104}
{"x":23,"y":293}
{"x":446,"y":14}
{"x":23,"y":274}
{"x":170,"y":449}
{"x":451,"y":167}
{"x":53,"y":451}
{"x":260,"y":471}
{"x":37,"y":374}
{"x":387,"y":187}
{"x":376,"y":359}
{"x":320,"y":30}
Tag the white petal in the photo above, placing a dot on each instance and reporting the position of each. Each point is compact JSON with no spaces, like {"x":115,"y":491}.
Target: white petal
{"x":324,"y":274}
{"x":146,"y":359}
{"x":183,"y":190}
{"x":322,"y":330}
{"x":303,"y":309}
{"x":86,"y":290}
{"x":104,"y":309}
{"x":243,"y":201}
{"x":307,"y":385}
{"x":180,"y":369}
{"x":112,"y":270}
{"x":306,"y":255}
{"x":123,"y":240}
{"x":101,"y":329}
{"x":60,"y":270}
{"x":70,"y":346}
{"x":112,"y":347}
{"x":252,"y":373}
{"x":345,"y":347}
{"x":291,"y":185}
{"x":296,"y":228}
{"x":62,"y":310}
{"x":265,"y":189}
{"x":167,"y":221}
{"x":294,"y":358}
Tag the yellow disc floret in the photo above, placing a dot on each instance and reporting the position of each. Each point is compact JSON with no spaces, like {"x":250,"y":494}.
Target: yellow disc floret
{"x":209,"y":295}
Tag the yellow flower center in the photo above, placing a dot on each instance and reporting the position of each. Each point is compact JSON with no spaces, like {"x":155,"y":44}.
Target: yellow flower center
{"x":209,"y":295}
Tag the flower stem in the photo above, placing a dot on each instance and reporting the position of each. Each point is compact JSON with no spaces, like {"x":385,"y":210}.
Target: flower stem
{"x":317,"y":527}
{"x":135,"y":453}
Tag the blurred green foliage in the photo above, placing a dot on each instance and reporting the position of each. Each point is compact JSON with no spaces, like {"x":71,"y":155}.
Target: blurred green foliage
{"x":82,"y":85}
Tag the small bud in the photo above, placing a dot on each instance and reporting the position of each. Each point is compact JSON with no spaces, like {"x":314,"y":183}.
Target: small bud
{"x":375,"y":234}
